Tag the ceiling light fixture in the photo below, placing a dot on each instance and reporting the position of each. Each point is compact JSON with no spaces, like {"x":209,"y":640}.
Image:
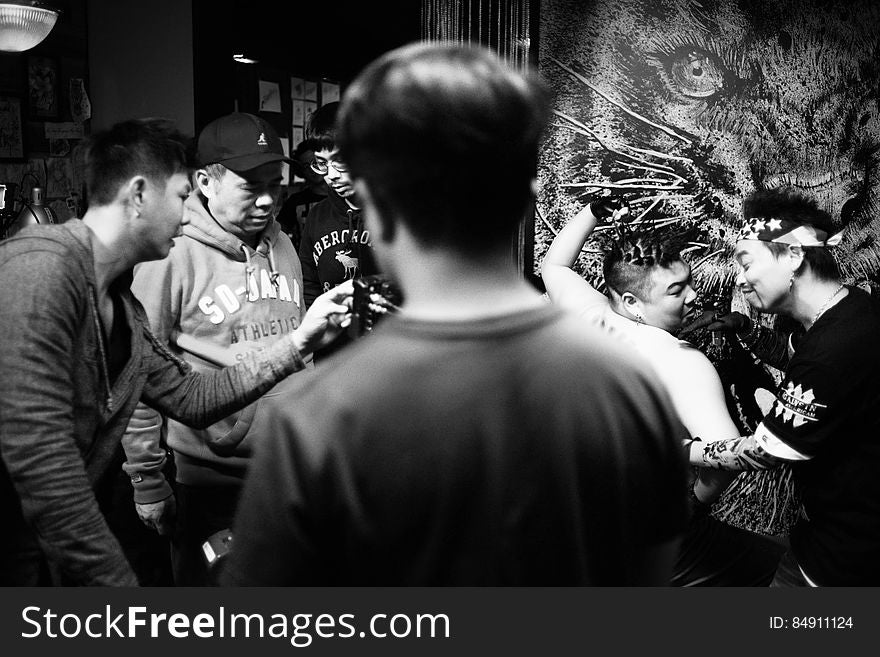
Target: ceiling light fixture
{"x":242,"y":59}
{"x":24,"y":24}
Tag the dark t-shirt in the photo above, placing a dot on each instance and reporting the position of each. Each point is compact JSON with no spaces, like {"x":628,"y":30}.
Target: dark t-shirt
{"x":828,"y":408}
{"x":518,"y":450}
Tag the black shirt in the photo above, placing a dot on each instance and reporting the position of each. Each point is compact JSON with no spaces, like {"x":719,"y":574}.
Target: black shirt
{"x":828,"y":408}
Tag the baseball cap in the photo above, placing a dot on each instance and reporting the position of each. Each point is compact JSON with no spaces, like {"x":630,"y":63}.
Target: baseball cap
{"x":240,"y":142}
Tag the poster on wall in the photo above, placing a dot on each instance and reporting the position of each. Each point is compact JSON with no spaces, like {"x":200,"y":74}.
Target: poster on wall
{"x":59,"y":177}
{"x":685,"y":108}
{"x":270,"y":96}
{"x":80,"y":105}
{"x":298,"y":112}
{"x":296,"y":88}
{"x":309,"y":108}
{"x":42,"y":87}
{"x":11,"y":133}
{"x":329,"y":92}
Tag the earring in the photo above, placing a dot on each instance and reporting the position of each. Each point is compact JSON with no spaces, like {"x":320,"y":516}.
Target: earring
{"x":791,"y":282}
{"x":639,"y":318}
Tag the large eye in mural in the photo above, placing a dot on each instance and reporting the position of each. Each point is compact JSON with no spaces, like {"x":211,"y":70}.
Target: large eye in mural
{"x":694,"y":73}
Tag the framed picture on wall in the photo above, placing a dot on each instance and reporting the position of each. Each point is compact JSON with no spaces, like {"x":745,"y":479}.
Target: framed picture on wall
{"x":42,"y":88}
{"x":11,"y":132}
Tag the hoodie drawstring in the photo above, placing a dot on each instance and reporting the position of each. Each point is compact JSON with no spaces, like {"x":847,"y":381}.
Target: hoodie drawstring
{"x":274,"y":274}
{"x":249,"y":267}
{"x":273,"y":268}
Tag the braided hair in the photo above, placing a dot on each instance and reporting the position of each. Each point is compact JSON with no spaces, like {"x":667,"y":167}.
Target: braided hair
{"x":633,"y":255}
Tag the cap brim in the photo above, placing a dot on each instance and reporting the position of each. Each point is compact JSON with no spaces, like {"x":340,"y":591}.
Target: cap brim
{"x":248,"y":162}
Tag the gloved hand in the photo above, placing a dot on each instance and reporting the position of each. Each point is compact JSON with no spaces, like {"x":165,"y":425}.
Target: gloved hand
{"x":732,"y":322}
{"x":609,"y":206}
{"x":159,"y":515}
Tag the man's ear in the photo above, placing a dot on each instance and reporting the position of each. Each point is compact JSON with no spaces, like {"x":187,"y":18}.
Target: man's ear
{"x":203,"y":182}
{"x":133,"y":193}
{"x":632,"y":305}
{"x":796,"y":256}
{"x":382,"y":227}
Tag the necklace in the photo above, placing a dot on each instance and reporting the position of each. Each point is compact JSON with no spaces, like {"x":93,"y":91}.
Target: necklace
{"x":825,"y":305}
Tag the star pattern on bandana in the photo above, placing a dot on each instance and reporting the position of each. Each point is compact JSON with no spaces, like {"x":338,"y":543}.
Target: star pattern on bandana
{"x":753,"y":228}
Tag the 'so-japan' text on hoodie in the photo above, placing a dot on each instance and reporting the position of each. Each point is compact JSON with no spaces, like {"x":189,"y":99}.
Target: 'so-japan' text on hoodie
{"x":222,"y":297}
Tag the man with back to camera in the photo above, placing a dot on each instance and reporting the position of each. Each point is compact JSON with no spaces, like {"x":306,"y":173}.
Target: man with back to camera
{"x":78,"y":354}
{"x":454,"y":446}
{"x":824,"y":420}
{"x":651,"y":295}
{"x":232,"y":284}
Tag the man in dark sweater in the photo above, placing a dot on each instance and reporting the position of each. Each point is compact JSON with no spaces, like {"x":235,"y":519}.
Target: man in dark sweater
{"x":480,"y":436}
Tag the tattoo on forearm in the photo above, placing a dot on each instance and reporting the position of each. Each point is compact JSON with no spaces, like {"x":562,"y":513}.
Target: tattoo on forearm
{"x":743,"y":453}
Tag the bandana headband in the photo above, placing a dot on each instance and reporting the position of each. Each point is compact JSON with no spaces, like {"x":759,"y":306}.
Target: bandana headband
{"x":785,"y":231}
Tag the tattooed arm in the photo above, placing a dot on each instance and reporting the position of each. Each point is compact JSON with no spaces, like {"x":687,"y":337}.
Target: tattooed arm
{"x":763,"y":450}
{"x":740,"y":453}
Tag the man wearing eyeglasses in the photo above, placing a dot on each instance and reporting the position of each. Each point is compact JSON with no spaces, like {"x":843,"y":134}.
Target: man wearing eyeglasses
{"x":335,"y":246}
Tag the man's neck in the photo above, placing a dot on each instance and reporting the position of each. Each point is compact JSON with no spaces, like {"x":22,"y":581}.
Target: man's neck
{"x":113,"y":255}
{"x":441,"y":286}
{"x":813,"y":297}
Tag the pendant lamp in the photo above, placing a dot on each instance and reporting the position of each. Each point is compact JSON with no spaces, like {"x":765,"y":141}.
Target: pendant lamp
{"x":24,"y":24}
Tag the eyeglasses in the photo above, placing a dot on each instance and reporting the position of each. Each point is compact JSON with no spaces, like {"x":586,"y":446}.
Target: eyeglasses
{"x":323,"y":166}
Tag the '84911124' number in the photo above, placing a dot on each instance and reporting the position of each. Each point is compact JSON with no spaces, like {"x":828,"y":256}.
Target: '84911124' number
{"x":811,"y":622}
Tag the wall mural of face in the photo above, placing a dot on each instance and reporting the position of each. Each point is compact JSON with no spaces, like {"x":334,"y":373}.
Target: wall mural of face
{"x":686,"y":107}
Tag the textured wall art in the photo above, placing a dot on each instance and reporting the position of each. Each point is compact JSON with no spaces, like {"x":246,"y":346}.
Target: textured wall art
{"x":686,"y":106}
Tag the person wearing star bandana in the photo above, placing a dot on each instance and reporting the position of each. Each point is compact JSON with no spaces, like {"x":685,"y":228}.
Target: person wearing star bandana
{"x":825,"y":418}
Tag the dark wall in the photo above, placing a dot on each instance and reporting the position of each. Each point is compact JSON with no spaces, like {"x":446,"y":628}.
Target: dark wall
{"x":141,"y":62}
{"x":308,"y":39}
{"x":324,"y":39}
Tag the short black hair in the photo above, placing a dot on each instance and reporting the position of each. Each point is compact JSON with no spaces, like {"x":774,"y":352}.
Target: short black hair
{"x":797,"y":207}
{"x":153,"y":148}
{"x":446,"y":137}
{"x":322,"y":128}
{"x":633,"y":256}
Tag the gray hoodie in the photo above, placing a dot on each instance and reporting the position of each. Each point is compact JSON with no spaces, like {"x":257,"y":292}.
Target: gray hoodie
{"x":218,"y":297}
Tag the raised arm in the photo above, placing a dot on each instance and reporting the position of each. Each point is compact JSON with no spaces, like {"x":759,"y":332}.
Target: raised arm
{"x":564,"y":285}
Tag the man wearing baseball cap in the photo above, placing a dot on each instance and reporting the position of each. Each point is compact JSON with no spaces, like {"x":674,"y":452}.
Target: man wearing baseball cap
{"x":232,"y":284}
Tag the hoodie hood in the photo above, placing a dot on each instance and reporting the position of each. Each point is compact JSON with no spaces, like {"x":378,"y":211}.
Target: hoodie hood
{"x":352,"y":217}
{"x":203,"y":228}
{"x":340,"y":204}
